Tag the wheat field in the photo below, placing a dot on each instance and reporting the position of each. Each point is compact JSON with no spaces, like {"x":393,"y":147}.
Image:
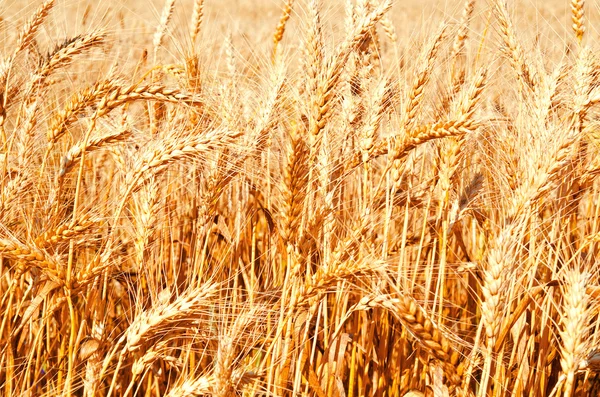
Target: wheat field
{"x":299,"y":198}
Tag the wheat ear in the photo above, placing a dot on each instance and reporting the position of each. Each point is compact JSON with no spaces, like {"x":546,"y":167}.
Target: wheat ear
{"x":27,"y":33}
{"x":463,"y":29}
{"x":512,"y":47}
{"x":65,"y":232}
{"x":295,"y":184}
{"x":574,"y":318}
{"x":578,"y":14}
{"x":163,"y":316}
{"x":280,"y":29}
{"x":197,"y":15}
{"x":416,"y":320}
{"x":161,"y":29}
{"x":95,"y":143}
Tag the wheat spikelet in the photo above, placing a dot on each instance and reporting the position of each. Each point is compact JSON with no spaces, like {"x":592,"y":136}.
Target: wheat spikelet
{"x":120,"y":95}
{"x":145,"y":219}
{"x":158,"y":352}
{"x":63,"y":54}
{"x":193,"y":387}
{"x":26,"y":37}
{"x":160,"y":155}
{"x":381,"y":102}
{"x":313,"y":51}
{"x":230,"y":57}
{"x":13,"y":190}
{"x":227,"y":379}
{"x":30,"y":256}
{"x":415,"y":137}
{"x":333,"y":73}
{"x":327,"y":276}
{"x":497,"y":274}
{"x":93,"y":368}
{"x":26,"y":130}
{"x":544,"y":173}
{"x":585,"y":75}
{"x":389,"y":29}
{"x":495,"y":278}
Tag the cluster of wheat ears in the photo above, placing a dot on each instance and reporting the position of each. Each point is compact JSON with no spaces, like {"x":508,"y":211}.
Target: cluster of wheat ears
{"x":333,"y":217}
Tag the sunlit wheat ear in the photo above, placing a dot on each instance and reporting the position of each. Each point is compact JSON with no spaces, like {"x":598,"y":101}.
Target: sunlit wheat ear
{"x":193,"y":387}
{"x":26,"y":36}
{"x":196,"y":22}
{"x":578,"y":15}
{"x":389,"y":29}
{"x":27,"y":33}
{"x":423,"y":329}
{"x":574,"y":320}
{"x":295,"y":184}
{"x":463,"y":31}
{"x":161,"y":29}
{"x":149,"y":323}
{"x":64,"y":53}
{"x":423,"y":73}
{"x":29,"y":257}
{"x":93,"y":144}
{"x":280,"y":30}
{"x":512,"y":47}
{"x":329,"y":80}
{"x":162,"y":154}
{"x":66,"y":232}
{"x":77,"y":103}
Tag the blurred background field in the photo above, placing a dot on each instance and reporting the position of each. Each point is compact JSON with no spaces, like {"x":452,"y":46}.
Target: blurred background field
{"x":251,"y":23}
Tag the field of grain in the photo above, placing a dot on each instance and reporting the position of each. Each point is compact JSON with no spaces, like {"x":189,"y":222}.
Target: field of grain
{"x":299,"y":198}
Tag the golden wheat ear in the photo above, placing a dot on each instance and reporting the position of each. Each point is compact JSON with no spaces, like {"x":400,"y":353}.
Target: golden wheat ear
{"x":578,"y":14}
{"x":196,"y":22}
{"x":280,"y":29}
